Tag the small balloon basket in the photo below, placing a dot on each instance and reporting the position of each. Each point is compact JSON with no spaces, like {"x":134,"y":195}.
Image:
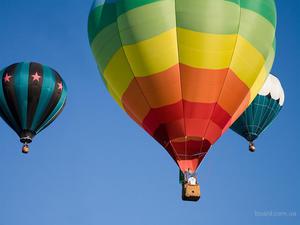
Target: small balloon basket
{"x":190,"y":192}
{"x":25,"y":149}
{"x":252,"y":147}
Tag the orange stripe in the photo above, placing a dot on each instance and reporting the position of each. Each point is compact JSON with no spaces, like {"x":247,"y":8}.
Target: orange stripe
{"x":234,"y":92}
{"x":201,"y":85}
{"x":162,"y":88}
{"x":209,"y":86}
{"x":135,"y":103}
{"x":194,"y":85}
{"x":239,"y":111}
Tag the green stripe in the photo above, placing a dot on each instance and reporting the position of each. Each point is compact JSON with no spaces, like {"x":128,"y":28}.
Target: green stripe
{"x":105,"y":45}
{"x":106,"y":14}
{"x":21,"y":90}
{"x":270,"y":60}
{"x":150,"y":14}
{"x":103,"y":79}
{"x":45,"y":96}
{"x":124,"y":6}
{"x":208,"y":16}
{"x":265,"y":8}
{"x":99,"y":18}
{"x":146,"y":22}
{"x":258,"y":32}
{"x":56,"y":110}
{"x":4,"y":106}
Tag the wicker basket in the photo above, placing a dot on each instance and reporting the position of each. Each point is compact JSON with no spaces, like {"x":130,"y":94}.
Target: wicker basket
{"x":190,"y":192}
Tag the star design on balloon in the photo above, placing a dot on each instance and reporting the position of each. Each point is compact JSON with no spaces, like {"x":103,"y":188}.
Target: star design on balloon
{"x":36,"y":77}
{"x":7,"y":77}
{"x":60,"y":86}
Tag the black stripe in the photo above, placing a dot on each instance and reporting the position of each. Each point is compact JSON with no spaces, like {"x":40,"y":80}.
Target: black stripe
{"x":34,"y":91}
{"x":56,"y":115}
{"x":9,"y":123}
{"x":10,"y":96}
{"x":56,"y":95}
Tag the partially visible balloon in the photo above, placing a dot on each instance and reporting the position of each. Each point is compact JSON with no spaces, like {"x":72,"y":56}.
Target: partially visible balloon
{"x":184,"y":70}
{"x":262,"y":111}
{"x":31,"y":97}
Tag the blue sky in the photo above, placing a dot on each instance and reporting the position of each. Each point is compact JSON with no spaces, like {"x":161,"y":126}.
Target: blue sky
{"x":95,"y":166}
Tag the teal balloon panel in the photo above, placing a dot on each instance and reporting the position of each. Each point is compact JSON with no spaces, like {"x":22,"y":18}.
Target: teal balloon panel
{"x":257,"y":117}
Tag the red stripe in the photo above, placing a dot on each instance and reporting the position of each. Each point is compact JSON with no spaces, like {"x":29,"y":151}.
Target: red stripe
{"x":185,"y":161}
{"x":169,"y":122}
{"x":188,"y":135}
{"x":190,"y":148}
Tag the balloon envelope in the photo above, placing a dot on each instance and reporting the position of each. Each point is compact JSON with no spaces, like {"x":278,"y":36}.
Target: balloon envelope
{"x":262,"y":111}
{"x":184,"y":70}
{"x":31,"y":97}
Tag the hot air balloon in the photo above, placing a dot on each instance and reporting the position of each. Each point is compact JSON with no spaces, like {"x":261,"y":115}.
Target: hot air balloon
{"x":262,"y":111}
{"x":31,"y":97}
{"x":183,"y":70}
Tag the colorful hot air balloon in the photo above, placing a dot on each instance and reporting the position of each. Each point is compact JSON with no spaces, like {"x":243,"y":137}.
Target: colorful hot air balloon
{"x":31,"y":97}
{"x":262,"y":111}
{"x":184,"y":70}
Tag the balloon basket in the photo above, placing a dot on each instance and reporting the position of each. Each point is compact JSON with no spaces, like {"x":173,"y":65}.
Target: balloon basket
{"x":190,"y":192}
{"x":252,"y":147}
{"x":25,"y":149}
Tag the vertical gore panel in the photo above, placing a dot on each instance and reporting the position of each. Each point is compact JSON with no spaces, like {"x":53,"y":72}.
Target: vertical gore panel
{"x":35,"y":82}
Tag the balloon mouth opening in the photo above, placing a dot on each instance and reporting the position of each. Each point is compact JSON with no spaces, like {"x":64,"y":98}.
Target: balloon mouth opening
{"x":187,"y":138}
{"x":25,"y":140}
{"x":188,"y":151}
{"x":26,"y":136}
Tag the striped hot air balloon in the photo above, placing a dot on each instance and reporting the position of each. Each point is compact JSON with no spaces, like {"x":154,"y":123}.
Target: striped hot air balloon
{"x":184,"y":70}
{"x":262,"y":111}
{"x":31,"y":97}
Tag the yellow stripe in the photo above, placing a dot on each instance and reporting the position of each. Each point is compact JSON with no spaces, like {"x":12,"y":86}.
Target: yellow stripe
{"x":153,"y":55}
{"x":199,"y":50}
{"x":118,"y":73}
{"x":260,"y":80}
{"x":211,"y":51}
{"x":247,"y":62}
{"x":203,"y":50}
{"x":262,"y":76}
{"x":115,"y":96}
